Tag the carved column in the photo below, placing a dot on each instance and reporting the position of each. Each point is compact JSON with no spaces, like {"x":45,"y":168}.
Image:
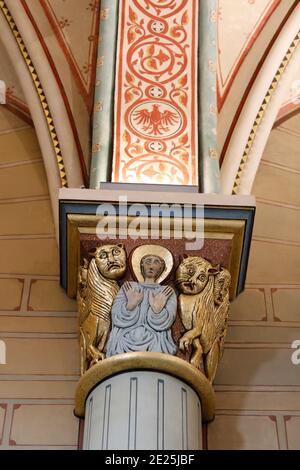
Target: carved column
{"x":153,"y":307}
{"x":143,"y":410}
{"x":148,"y":358}
{"x":153,"y":315}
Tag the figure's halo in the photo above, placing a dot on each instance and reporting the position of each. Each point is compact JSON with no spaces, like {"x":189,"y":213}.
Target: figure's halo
{"x":154,"y":250}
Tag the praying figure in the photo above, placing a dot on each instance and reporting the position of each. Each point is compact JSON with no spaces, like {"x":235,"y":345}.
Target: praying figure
{"x":144,"y":312}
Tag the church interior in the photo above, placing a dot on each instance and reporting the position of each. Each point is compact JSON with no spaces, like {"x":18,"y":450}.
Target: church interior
{"x":52,"y":72}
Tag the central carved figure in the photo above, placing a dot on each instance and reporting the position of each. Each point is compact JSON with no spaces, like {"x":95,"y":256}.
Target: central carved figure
{"x":143,"y":312}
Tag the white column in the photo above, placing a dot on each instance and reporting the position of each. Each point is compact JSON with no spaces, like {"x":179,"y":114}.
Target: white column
{"x":139,"y":410}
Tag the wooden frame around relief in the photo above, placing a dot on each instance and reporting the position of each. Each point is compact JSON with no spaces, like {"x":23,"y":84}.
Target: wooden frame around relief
{"x":230,"y":229}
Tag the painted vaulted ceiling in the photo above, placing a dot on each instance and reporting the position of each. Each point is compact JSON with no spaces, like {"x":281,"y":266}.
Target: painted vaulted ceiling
{"x":61,"y":37}
{"x":246,"y":31}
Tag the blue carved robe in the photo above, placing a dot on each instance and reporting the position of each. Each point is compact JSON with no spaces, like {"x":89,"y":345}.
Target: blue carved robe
{"x":141,"y":329}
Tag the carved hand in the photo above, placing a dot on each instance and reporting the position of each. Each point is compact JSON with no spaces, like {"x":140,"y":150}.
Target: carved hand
{"x":134,"y":296}
{"x":158,"y":301}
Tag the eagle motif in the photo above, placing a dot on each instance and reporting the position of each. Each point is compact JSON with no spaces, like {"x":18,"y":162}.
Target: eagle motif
{"x":155,"y":122}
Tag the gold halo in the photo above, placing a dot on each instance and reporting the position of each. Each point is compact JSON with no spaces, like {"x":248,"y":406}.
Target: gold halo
{"x":155,"y":250}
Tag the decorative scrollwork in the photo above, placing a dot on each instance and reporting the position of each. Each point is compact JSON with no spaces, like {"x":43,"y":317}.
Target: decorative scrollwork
{"x":157,"y":93}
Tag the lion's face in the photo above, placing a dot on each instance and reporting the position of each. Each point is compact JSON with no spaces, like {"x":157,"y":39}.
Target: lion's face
{"x":193,"y":274}
{"x":111,"y":261}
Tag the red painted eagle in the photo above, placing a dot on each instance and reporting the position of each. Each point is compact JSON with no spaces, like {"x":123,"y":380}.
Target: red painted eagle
{"x":155,"y":122}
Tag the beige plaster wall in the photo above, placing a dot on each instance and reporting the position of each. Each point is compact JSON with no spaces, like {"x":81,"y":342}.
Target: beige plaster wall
{"x":37,"y":320}
{"x":258,"y":387}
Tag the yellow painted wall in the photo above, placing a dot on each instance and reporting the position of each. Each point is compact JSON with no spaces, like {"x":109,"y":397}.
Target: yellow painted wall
{"x":37,"y":320}
{"x":257,"y":386}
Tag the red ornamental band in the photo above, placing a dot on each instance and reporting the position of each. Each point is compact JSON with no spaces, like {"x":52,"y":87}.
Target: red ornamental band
{"x":156,"y":138}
